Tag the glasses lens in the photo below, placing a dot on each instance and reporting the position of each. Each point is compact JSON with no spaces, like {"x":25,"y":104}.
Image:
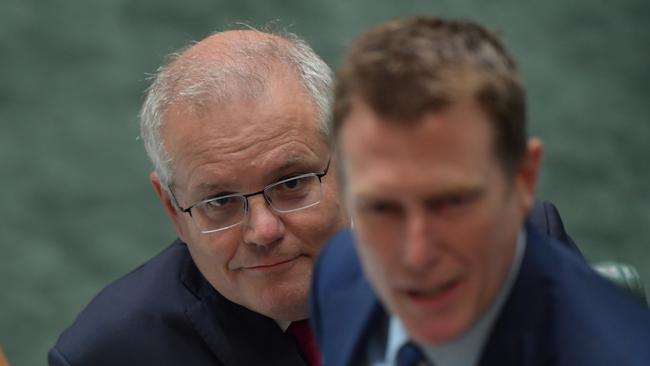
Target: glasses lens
{"x":295,"y":193}
{"x":220,"y":213}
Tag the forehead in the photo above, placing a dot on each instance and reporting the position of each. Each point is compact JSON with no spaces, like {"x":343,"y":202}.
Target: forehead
{"x":234,"y":141}
{"x":452,"y":145}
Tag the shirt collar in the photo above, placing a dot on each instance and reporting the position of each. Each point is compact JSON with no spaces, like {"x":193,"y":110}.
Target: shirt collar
{"x":467,"y":348}
{"x":283,"y":324}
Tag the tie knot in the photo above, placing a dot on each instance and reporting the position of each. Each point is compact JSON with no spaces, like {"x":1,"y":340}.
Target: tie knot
{"x":410,"y":355}
{"x":299,"y":329}
{"x":300,"y":332}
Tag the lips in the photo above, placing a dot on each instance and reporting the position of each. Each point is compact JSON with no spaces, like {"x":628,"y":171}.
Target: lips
{"x":270,"y":264}
{"x":432,"y":292}
{"x":434,"y":297}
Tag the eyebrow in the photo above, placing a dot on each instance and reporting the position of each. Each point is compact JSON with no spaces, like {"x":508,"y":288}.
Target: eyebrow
{"x":470,"y":191}
{"x":455,"y":190}
{"x":204,"y":188}
{"x":439,"y":195}
{"x":291,"y":162}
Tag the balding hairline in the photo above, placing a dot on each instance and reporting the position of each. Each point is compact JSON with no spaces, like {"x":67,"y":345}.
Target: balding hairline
{"x":201,"y":75}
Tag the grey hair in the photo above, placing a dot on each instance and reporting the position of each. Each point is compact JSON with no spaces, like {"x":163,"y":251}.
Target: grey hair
{"x":247,"y":65}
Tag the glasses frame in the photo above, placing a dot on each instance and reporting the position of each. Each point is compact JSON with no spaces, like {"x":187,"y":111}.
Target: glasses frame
{"x":263,"y":192}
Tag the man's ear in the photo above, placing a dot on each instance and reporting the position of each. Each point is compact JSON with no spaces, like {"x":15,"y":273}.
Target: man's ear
{"x":529,"y":172}
{"x":168,"y":204}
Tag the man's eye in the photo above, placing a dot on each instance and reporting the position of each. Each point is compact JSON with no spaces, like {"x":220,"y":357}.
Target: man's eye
{"x":456,"y":200}
{"x":220,"y":202}
{"x":294,"y":183}
{"x":381,"y":208}
{"x":452,"y":204}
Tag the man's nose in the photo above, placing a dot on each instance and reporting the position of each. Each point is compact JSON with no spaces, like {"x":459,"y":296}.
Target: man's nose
{"x":263,"y":226}
{"x":420,"y":249}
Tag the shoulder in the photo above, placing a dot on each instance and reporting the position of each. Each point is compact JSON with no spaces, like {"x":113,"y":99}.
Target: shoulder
{"x":128,"y":315}
{"x":155,"y":286}
{"x":338,"y":263}
{"x":545,"y":218}
{"x":609,"y":320}
{"x":594,"y":321}
{"x":343,"y":305}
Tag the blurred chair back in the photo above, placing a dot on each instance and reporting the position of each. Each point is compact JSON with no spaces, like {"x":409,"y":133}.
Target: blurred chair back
{"x":623,"y":275}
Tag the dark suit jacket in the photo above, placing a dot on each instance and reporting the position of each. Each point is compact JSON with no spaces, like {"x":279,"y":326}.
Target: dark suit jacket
{"x":559,"y":312}
{"x":166,"y":313}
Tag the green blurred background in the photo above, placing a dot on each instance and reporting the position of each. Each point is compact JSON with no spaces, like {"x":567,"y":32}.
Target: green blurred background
{"x":77,"y":208}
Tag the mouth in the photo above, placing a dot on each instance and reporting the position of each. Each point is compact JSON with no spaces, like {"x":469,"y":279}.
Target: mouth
{"x":271,"y":266}
{"x":433,"y":297}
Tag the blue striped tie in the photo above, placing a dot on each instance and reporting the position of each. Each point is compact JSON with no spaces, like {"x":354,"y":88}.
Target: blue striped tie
{"x":410,"y":355}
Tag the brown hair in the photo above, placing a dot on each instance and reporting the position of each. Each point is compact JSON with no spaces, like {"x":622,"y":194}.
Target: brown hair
{"x":405,"y":68}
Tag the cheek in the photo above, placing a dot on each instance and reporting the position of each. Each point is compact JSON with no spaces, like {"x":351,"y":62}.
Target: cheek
{"x":314,"y":226}
{"x":473,"y":244}
{"x":380,"y":271}
{"x":215,"y":251}
{"x":378,"y":257}
{"x":310,"y":232}
{"x":489,"y":252}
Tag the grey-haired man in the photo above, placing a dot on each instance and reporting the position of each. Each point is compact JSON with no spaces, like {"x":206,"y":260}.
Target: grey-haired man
{"x":236,"y":128}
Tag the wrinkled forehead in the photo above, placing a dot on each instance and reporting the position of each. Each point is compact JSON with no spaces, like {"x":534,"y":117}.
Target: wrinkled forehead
{"x":252,"y":105}
{"x":245,"y":130}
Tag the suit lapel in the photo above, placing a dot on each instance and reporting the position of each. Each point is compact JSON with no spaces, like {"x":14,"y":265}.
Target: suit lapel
{"x":522,"y":334}
{"x":353,"y":324}
{"x":238,"y":336}
{"x":235,"y":335}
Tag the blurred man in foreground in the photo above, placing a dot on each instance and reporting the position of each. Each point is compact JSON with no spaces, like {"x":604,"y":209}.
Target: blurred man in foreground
{"x":236,"y":128}
{"x":439,"y":178}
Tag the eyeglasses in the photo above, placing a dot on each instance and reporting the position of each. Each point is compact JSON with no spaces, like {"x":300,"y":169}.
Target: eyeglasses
{"x":288,"y":195}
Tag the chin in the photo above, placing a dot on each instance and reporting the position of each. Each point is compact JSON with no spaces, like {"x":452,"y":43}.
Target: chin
{"x":287,"y":311}
{"x":434,"y":332}
{"x":284,"y":302}
{"x":434,"y":338}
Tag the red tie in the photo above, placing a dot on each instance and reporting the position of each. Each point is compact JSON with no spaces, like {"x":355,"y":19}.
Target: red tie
{"x":301,"y":333}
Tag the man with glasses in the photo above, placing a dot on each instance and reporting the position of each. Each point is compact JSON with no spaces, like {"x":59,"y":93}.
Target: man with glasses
{"x":236,"y":127}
